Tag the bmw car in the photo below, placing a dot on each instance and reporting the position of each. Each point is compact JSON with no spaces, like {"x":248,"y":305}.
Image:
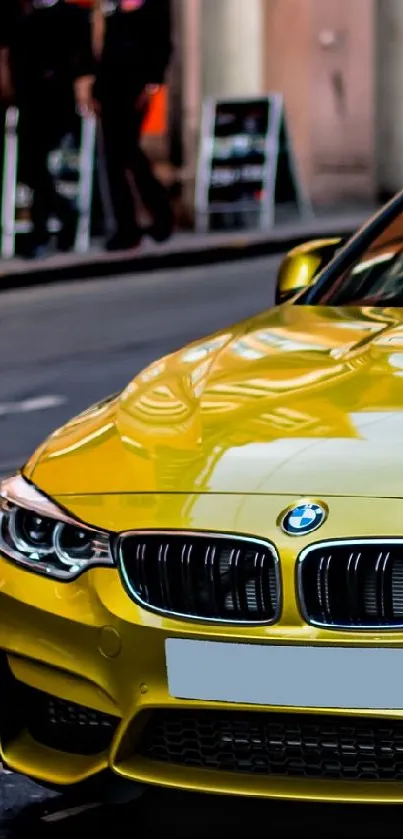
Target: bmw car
{"x":201,"y":577}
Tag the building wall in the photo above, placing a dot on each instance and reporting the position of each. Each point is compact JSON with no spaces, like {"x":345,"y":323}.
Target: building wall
{"x":320,"y":54}
{"x":286,"y":34}
{"x":389,"y":96}
{"x":342,"y":98}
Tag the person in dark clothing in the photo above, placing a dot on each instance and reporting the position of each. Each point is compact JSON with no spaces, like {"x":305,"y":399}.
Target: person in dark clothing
{"x":49,"y":43}
{"x":134,"y":56}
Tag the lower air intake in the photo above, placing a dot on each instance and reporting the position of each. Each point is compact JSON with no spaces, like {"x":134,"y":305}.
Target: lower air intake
{"x":65,"y":726}
{"x":293,"y":745}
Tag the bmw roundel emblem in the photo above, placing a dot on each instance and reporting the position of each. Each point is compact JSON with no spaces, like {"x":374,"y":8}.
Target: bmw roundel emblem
{"x":303,"y":518}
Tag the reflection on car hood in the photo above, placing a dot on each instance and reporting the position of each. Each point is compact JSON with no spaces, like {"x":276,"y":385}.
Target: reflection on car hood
{"x":307,"y":401}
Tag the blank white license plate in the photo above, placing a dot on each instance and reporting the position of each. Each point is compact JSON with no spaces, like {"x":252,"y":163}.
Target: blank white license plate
{"x":286,"y":676}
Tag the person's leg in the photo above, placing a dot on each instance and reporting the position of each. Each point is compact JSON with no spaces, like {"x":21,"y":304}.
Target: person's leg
{"x":115,"y":129}
{"x":36,"y":139}
{"x":64,"y":123}
{"x":153,"y":194}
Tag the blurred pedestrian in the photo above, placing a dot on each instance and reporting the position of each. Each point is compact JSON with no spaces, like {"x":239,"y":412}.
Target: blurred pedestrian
{"x":45,"y":44}
{"x":132,"y":47}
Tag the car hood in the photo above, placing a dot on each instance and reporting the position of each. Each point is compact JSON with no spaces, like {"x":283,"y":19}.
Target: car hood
{"x":299,"y":400}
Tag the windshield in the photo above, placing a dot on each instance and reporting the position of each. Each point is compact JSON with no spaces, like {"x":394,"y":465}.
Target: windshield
{"x":369,"y":272}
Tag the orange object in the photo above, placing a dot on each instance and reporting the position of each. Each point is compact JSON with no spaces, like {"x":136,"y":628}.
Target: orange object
{"x":156,"y":121}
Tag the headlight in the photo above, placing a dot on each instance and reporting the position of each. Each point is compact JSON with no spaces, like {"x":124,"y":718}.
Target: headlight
{"x":42,"y":537}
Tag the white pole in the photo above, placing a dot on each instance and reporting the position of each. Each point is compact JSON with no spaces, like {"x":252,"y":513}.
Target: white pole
{"x":86,"y":182}
{"x":9,"y":192}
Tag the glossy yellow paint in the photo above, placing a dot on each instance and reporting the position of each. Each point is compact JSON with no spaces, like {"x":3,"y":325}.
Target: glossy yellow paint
{"x":283,"y":403}
{"x":223,"y":435}
{"x":301,"y":266}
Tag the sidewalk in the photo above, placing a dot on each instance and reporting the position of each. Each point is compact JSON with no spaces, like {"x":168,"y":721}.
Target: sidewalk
{"x":183,"y":250}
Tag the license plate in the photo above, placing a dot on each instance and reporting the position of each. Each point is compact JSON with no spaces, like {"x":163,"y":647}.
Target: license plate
{"x":286,"y":676}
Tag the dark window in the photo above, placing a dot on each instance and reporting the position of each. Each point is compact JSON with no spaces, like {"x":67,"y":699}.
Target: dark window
{"x":369,"y":271}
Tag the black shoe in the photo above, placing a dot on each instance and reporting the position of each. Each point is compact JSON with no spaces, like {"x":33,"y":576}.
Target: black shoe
{"x":36,"y":246}
{"x":161,"y":230}
{"x":66,"y":236}
{"x":121,"y":241}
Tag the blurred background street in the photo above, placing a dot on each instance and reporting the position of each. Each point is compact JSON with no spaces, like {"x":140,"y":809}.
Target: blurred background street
{"x":341,"y":150}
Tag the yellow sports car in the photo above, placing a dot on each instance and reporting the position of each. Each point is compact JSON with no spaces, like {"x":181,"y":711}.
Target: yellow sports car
{"x":201,"y":578}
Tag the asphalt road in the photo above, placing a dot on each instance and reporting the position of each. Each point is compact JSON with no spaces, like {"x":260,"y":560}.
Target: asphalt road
{"x":62,"y":348}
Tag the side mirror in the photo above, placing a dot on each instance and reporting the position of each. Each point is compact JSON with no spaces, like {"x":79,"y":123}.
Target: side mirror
{"x":302,"y":265}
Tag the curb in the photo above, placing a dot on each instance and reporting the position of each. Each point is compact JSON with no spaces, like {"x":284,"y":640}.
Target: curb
{"x":98,"y":268}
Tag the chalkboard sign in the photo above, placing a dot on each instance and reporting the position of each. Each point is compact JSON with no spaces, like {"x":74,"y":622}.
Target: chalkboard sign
{"x":246,"y":165}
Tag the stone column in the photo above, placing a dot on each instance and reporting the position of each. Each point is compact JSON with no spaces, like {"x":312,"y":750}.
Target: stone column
{"x":232,"y":47}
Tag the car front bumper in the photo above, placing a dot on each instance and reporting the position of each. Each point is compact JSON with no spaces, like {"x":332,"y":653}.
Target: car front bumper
{"x":86,"y":657}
